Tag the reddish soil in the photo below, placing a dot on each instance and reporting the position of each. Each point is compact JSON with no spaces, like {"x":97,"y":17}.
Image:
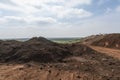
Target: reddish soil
{"x":111,"y":52}
{"x":90,"y":39}
{"x":110,"y":41}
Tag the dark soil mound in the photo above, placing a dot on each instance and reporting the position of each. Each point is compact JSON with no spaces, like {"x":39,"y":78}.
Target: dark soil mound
{"x":35,"y":49}
{"x":109,"y":40}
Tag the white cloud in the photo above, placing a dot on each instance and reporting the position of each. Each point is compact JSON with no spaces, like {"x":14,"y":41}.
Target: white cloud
{"x":30,"y":5}
{"x":31,"y":19}
{"x":118,"y":9}
{"x":9,"y":7}
{"x":2,"y":21}
{"x":34,"y":2}
{"x":41,"y":2}
{"x":12,"y":17}
{"x":22,"y":9}
{"x":80,"y":13}
{"x":46,"y":12}
{"x":72,"y":3}
{"x":27,"y":20}
{"x":65,"y":12}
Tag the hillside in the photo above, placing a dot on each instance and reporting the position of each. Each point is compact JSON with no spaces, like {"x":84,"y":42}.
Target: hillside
{"x":110,"y":41}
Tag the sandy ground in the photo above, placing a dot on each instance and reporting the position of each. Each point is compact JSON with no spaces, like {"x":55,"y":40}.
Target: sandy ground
{"x":21,"y":72}
{"x":108,"y":51}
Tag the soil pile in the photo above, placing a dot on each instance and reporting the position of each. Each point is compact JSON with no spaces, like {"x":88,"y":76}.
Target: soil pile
{"x":109,"y":40}
{"x":41,"y":40}
{"x":90,"y":39}
{"x":35,"y":49}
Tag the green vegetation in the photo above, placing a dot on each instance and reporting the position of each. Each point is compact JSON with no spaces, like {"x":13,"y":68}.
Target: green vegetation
{"x":57,"y":40}
{"x":65,"y":40}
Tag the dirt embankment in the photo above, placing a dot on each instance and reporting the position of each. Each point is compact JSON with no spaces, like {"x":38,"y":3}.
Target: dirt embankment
{"x":110,"y":41}
{"x":90,"y":39}
{"x":103,"y":40}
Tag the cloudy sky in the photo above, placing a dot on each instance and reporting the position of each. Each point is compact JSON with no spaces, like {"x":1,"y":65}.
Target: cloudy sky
{"x":58,"y":18}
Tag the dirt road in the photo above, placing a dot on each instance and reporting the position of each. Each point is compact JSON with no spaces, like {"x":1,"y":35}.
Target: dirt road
{"x":111,"y":52}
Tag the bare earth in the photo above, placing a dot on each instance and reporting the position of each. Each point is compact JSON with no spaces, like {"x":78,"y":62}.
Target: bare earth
{"x":41,"y":59}
{"x":108,"y":51}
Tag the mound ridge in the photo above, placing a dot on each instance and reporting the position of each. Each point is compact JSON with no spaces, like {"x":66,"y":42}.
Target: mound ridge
{"x":90,"y":39}
{"x":40,"y":40}
{"x":109,"y":40}
{"x":35,"y":49}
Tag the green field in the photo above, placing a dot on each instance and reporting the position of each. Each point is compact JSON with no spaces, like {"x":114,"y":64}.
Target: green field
{"x":65,"y":40}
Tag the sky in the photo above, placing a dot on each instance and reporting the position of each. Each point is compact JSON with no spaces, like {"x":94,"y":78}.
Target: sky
{"x":58,"y":18}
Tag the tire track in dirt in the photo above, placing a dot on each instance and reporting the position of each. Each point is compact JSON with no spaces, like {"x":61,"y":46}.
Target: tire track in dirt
{"x":111,"y":52}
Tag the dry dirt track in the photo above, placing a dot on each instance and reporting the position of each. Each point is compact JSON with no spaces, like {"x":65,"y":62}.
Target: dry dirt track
{"x":21,"y":72}
{"x":111,"y":52}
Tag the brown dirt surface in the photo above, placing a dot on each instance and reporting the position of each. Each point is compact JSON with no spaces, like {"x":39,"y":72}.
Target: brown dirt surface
{"x":41,"y":59}
{"x":111,"y":52}
{"x":90,"y":39}
{"x":110,"y":41}
{"x":35,"y":49}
